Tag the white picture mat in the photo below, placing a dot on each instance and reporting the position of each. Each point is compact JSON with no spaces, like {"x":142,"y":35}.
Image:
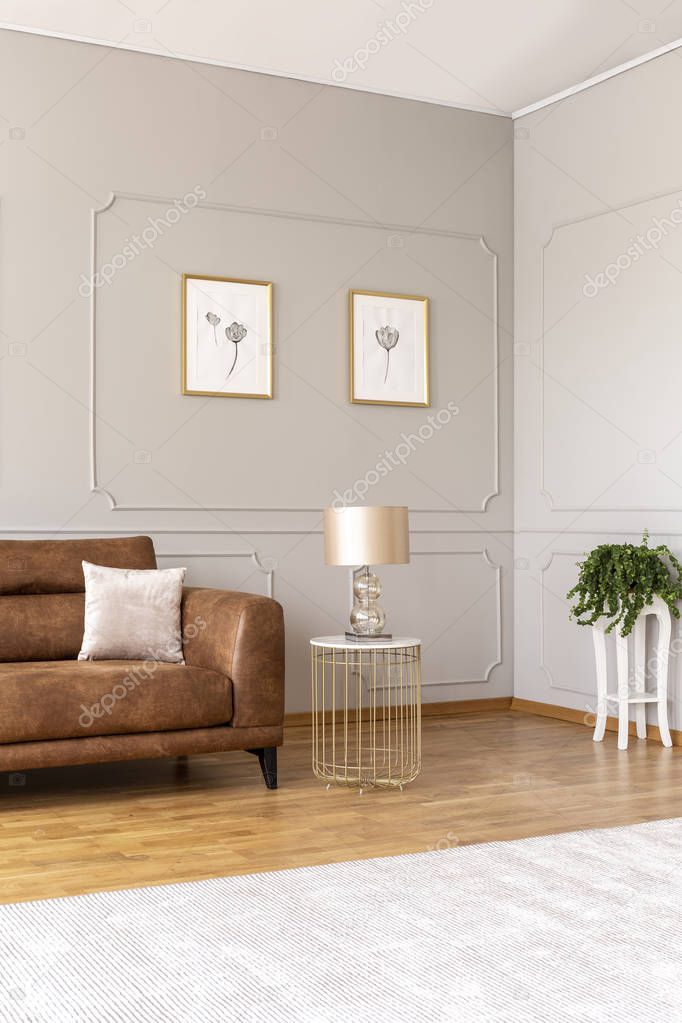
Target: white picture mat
{"x":207,"y":364}
{"x":407,"y":374}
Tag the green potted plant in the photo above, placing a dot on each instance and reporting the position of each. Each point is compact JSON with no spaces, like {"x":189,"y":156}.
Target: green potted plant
{"x":617,"y":580}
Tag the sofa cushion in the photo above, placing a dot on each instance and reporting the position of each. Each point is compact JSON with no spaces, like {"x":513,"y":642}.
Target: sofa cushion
{"x":68,"y":699}
{"x":55,"y":566}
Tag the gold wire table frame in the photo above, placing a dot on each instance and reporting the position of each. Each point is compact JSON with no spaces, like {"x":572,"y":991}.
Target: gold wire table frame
{"x":366,"y":702}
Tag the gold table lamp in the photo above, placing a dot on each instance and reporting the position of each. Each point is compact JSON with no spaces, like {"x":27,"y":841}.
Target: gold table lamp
{"x":366,"y":536}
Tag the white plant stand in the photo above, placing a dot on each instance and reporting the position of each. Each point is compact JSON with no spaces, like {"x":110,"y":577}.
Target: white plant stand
{"x":625,"y":697}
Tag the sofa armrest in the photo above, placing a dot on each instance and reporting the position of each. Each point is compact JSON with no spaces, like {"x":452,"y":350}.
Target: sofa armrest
{"x":240,"y":635}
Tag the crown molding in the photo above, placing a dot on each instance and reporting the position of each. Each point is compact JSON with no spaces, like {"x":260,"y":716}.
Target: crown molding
{"x":313,"y":80}
{"x":572,"y":90}
{"x":254,"y":69}
{"x":555,"y":97}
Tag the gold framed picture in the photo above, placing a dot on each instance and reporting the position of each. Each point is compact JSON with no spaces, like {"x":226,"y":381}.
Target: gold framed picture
{"x":389,"y":349}
{"x":226,"y":337}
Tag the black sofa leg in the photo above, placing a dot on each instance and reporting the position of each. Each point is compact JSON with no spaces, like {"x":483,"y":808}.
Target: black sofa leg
{"x":267,"y":758}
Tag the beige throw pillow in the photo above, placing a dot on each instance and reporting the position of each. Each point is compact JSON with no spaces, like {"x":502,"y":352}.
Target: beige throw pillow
{"x":132,"y":614}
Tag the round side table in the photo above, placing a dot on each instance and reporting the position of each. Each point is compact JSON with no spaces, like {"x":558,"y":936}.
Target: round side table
{"x":366,"y":711}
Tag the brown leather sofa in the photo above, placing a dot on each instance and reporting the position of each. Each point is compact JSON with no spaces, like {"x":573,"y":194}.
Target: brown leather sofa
{"x":56,"y":710}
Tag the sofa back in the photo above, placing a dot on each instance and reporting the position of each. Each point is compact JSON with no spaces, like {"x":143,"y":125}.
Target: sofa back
{"x":42,"y":591}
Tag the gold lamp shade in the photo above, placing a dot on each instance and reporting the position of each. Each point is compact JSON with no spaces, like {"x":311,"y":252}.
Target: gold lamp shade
{"x":366,"y":536}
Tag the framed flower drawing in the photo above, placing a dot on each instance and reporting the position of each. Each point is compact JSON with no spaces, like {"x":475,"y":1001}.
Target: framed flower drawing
{"x":389,"y":349}
{"x":226,"y":337}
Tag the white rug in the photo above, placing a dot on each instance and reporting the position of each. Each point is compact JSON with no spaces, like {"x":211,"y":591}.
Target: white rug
{"x":583,"y":926}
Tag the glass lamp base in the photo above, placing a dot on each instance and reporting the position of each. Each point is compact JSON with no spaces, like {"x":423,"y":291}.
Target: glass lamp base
{"x":367,"y":617}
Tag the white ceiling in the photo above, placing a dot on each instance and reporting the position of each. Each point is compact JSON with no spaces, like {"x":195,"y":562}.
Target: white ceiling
{"x":494,"y":55}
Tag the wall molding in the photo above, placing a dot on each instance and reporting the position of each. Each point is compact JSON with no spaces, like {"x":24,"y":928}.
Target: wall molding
{"x":541,"y":621}
{"x":227,"y":531}
{"x":573,"y":221}
{"x":497,"y":569}
{"x":96,"y":487}
{"x":531,"y":531}
{"x":265,"y":565}
{"x":556,"y":228}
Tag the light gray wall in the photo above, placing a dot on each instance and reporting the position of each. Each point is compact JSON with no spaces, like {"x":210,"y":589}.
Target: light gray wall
{"x":598,"y":369}
{"x":319,"y":190}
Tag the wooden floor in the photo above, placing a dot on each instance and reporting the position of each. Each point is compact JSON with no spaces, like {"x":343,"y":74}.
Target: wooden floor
{"x":486,"y":777}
